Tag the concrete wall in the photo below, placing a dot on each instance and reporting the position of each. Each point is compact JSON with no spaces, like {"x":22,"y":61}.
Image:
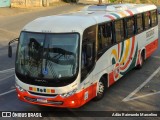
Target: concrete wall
{"x":31,"y":3}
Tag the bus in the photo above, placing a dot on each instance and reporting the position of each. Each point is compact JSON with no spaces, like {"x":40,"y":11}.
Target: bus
{"x":67,"y":60}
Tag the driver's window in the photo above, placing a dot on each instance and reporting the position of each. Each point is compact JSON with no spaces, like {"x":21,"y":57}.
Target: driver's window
{"x":87,"y":55}
{"x":84,"y":57}
{"x":88,"y":51}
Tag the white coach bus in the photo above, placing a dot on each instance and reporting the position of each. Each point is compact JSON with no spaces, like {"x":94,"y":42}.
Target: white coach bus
{"x":67,"y":60}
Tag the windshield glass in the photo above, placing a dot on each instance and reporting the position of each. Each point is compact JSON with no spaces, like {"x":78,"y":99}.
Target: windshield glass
{"x":47,"y":56}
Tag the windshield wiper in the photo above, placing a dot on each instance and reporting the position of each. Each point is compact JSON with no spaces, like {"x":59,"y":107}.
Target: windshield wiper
{"x":61,"y":51}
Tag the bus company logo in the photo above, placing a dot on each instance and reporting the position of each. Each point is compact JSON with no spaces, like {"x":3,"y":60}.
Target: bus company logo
{"x":6,"y":114}
{"x":45,"y":71}
{"x":150,"y":33}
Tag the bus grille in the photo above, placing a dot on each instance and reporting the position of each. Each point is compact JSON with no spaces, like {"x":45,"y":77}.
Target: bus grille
{"x":41,"y":94}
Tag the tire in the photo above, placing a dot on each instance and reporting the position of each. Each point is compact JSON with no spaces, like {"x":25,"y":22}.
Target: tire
{"x":101,"y":90}
{"x":141,"y":61}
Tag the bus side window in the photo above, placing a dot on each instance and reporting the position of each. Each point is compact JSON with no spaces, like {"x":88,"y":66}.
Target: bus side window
{"x":139,"y":23}
{"x":105,"y":36}
{"x":147,"y":20}
{"x":100,"y":37}
{"x":87,"y":55}
{"x":130,"y":27}
{"x":154,"y":18}
{"x":119,"y":30}
{"x":88,"y":51}
{"x":107,"y":33}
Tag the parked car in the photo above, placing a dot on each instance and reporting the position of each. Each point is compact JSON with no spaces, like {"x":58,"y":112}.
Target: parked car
{"x":158,"y":10}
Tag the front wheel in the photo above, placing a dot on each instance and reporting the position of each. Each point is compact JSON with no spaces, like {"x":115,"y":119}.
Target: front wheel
{"x":101,"y":90}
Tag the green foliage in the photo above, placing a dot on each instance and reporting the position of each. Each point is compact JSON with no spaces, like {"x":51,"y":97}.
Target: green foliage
{"x":112,"y":1}
{"x":143,"y":1}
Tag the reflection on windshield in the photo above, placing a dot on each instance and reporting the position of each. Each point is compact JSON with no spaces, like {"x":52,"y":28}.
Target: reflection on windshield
{"x":50,"y":56}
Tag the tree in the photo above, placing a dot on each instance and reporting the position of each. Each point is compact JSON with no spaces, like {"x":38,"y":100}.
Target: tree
{"x":100,"y":2}
{"x":112,"y":1}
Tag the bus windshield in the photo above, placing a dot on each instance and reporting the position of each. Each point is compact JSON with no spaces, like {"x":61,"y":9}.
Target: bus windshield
{"x":47,"y":56}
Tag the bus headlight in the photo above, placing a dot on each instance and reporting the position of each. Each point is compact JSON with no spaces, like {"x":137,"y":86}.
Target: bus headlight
{"x":65,"y":95}
{"x":21,"y":89}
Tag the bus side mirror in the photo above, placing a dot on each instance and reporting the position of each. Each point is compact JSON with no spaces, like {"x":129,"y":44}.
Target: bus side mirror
{"x":10,"y":47}
{"x":9,"y":51}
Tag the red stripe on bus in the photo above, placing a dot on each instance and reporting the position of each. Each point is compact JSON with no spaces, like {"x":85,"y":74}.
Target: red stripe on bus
{"x":112,"y":18}
{"x":130,"y":12}
{"x":150,"y":48}
{"x":111,"y":78}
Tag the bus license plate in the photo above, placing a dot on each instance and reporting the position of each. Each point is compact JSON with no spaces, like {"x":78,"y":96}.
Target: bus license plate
{"x":42,"y":100}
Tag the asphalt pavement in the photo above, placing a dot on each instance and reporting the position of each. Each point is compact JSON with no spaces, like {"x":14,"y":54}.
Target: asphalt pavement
{"x":138,"y":90}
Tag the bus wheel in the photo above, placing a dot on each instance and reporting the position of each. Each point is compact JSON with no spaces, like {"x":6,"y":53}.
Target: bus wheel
{"x":101,"y":90}
{"x":141,"y":61}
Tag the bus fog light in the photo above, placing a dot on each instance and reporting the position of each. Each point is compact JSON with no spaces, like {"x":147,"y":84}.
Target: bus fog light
{"x":65,"y":95}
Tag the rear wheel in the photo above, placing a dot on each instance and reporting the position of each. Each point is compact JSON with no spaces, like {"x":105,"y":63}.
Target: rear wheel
{"x":141,"y":61}
{"x":101,"y":89}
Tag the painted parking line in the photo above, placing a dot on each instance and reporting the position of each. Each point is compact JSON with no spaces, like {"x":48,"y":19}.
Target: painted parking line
{"x":156,"y":57}
{"x":129,"y":97}
{"x":6,"y":77}
{"x":142,"y":96}
{"x":7,"y":70}
{"x":10,"y":91}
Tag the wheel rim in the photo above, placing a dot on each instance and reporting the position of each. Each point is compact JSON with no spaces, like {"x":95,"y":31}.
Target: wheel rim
{"x":101,"y":88}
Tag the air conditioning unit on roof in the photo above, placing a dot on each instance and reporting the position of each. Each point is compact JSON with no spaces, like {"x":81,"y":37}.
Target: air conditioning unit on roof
{"x":109,"y":7}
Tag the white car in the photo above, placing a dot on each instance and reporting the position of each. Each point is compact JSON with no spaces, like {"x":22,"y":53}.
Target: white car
{"x":158,"y":10}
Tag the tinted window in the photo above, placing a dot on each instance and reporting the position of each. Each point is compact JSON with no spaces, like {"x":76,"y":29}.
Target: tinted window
{"x":105,"y":37}
{"x":119,"y":30}
{"x":130,"y":26}
{"x":154,"y":17}
{"x":147,"y":20}
{"x":139,"y":23}
{"x":88,"y":51}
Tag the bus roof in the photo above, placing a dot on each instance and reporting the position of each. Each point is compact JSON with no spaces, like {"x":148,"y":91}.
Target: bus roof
{"x":90,"y":15}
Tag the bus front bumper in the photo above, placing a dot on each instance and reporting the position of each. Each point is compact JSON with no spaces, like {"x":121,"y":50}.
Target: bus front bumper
{"x":73,"y":101}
